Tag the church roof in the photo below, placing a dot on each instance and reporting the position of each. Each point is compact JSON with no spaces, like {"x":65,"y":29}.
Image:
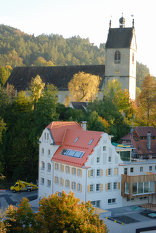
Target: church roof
{"x":60,"y":76}
{"x":119,"y":37}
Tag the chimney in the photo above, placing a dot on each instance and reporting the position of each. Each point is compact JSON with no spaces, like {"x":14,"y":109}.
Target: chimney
{"x":148,"y":140}
{"x":84,"y":125}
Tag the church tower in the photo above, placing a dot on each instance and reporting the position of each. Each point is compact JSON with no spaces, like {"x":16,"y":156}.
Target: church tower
{"x":121,"y":51}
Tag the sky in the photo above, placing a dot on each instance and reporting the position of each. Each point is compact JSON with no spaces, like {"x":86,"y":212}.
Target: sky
{"x":87,"y":19}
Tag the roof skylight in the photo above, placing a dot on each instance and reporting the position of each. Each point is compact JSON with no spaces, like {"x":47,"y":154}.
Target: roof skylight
{"x":91,"y":141}
{"x":72,"y":153}
{"x":76,"y":139}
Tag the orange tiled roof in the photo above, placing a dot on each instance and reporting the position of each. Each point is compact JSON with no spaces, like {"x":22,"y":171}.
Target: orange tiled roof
{"x":66,"y":133}
{"x":141,"y":144}
{"x":58,"y":129}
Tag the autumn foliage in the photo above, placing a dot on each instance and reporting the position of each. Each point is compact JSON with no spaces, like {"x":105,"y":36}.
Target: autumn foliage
{"x":56,"y":213}
{"x":84,"y":87}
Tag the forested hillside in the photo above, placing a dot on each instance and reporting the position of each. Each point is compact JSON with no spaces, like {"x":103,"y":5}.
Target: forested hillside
{"x":20,"y":49}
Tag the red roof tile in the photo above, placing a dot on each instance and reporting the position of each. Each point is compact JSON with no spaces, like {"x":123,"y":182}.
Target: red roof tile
{"x":143,"y":130}
{"x":141,"y":144}
{"x":58,"y":129}
{"x":66,"y":133}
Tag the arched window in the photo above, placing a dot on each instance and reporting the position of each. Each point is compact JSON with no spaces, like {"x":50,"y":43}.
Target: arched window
{"x":133,"y":58}
{"x":117,"y":57}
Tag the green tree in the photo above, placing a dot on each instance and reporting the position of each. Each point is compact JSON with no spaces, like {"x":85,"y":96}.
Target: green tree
{"x":147,"y":101}
{"x":84,"y":87}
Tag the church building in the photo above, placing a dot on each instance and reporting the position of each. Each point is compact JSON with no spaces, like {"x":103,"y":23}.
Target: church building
{"x":120,"y":64}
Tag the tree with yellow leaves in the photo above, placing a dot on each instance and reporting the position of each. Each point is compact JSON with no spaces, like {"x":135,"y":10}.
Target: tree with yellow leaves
{"x":64,"y":214}
{"x":84,"y":87}
{"x":36,"y":88}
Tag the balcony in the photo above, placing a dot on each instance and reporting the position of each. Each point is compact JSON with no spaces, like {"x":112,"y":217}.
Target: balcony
{"x":138,"y":186}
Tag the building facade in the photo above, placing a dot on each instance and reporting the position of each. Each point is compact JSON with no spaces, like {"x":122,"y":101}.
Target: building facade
{"x":88,"y":164}
{"x":121,"y":52}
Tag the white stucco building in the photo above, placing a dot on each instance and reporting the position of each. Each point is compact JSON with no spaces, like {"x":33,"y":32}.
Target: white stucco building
{"x":86,"y":162}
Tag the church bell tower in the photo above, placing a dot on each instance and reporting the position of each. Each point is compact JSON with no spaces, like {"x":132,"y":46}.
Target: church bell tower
{"x":121,"y":52}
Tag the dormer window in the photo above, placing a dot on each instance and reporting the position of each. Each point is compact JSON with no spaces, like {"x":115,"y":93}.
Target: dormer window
{"x":117,"y":57}
{"x":76,"y":140}
{"x":90,"y":141}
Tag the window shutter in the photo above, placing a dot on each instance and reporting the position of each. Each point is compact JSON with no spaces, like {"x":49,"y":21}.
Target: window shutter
{"x":80,"y":187}
{"x":81,"y":172}
{"x":89,"y":173}
{"x":69,"y":184}
{"x":107,"y":172}
{"x":101,"y":172}
{"x":106,"y":186}
{"x":77,"y":172}
{"x":118,"y":185}
{"x":62,"y":181}
{"x":101,"y":187}
{"x":65,"y":183}
{"x":88,"y":188}
{"x":55,"y":179}
{"x":69,"y":170}
{"x":62,"y":168}
{"x":72,"y":170}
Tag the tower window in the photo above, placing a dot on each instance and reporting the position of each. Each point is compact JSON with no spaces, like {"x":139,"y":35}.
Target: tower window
{"x":117,"y":57}
{"x":133,"y":58}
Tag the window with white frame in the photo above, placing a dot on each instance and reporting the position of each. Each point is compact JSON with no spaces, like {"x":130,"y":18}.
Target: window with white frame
{"x":108,"y":186}
{"x":115,"y":185}
{"x":98,"y":172}
{"x":79,"y":187}
{"x":112,"y":201}
{"x":91,"y":188}
{"x":91,"y":172}
{"x":61,"y":181}
{"x":97,"y":187}
{"x":42,"y":181}
{"x":104,"y":148}
{"x":79,"y":172}
{"x":98,"y":159}
{"x":141,"y":169}
{"x":47,"y":136}
{"x":131,"y":169}
{"x":48,"y":153}
{"x":73,"y":185}
{"x":125,"y":170}
{"x":48,"y":167}
{"x":56,"y":180}
{"x":74,"y":171}
{"x":67,"y":184}
{"x":109,"y":159}
{"x":150,"y":168}
{"x":48,"y":183}
{"x":42,"y":151}
{"x":67,"y":169}
{"x":42,"y":165}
